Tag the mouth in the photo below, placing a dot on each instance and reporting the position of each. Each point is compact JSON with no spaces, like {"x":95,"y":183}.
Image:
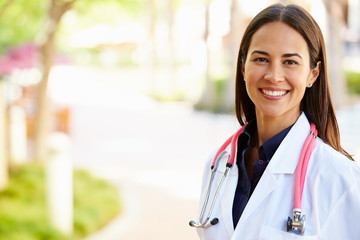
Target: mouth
{"x":273,"y":93}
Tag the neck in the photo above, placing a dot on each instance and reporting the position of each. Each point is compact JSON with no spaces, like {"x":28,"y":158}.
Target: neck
{"x":268,"y":127}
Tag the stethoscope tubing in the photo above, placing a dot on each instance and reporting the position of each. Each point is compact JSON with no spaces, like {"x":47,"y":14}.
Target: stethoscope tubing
{"x":299,"y":180}
{"x":303,"y":164}
{"x":233,"y":141}
{"x":204,"y":223}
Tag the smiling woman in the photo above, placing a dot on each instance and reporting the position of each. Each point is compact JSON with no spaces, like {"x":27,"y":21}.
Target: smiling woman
{"x":285,"y":161}
{"x":276,"y":74}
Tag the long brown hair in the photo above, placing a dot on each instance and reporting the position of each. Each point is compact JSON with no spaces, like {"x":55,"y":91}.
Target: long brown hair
{"x":316,"y":103}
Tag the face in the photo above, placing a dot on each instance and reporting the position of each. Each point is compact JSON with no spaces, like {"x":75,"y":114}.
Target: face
{"x":277,"y":71}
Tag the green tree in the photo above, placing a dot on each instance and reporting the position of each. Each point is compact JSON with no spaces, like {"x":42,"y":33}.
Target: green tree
{"x":56,"y":11}
{"x":38,"y":21}
{"x":47,"y":46}
{"x":20,"y":21}
{"x":23,"y":20}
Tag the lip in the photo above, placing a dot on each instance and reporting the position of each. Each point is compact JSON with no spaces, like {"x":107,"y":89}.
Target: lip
{"x":274,"y":97}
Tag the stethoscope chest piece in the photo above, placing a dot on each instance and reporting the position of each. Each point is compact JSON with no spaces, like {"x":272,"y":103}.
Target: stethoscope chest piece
{"x":298,"y":224}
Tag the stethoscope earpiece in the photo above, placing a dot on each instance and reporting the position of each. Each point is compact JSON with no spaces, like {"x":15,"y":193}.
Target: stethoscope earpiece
{"x":214,"y":221}
{"x":203,"y":225}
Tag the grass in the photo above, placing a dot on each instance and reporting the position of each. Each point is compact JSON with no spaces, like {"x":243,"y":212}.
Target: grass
{"x":23,"y":207}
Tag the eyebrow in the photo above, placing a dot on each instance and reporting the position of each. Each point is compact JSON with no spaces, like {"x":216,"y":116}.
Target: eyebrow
{"x":292,"y":55}
{"x":284,"y":55}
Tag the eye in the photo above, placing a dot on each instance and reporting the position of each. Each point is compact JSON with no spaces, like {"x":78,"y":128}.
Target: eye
{"x":290,"y":62}
{"x":260,"y":59}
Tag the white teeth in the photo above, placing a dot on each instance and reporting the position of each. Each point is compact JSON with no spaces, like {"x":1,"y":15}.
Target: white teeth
{"x":273,"y":93}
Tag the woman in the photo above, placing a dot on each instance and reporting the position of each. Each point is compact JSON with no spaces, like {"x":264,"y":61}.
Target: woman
{"x":281,"y":88}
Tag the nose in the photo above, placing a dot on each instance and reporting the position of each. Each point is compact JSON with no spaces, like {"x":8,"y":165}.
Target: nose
{"x":274,"y":73}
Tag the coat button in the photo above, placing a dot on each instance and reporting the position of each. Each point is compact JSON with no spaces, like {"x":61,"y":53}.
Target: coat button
{"x":261,"y":162}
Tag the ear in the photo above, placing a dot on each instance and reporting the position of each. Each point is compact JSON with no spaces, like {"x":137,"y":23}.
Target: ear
{"x":313,"y":75}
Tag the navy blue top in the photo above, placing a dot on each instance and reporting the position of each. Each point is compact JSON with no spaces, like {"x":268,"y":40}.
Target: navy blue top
{"x":246,"y":185}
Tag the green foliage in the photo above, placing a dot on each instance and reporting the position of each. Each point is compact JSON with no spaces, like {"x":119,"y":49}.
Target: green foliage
{"x":95,"y":201}
{"x":353,"y":82}
{"x":216,"y":104}
{"x":21,"y":22}
{"x":101,"y":8}
{"x":87,"y":13}
{"x":23,"y":207}
{"x":22,"y":212}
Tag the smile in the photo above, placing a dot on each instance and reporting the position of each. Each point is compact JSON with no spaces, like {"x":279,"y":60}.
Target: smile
{"x":273,"y":93}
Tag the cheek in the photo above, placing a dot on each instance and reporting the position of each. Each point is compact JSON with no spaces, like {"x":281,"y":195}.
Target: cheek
{"x":251,"y":74}
{"x":298,"y":79}
{"x":251,"y":86}
{"x":250,"y":82}
{"x":252,"y":77}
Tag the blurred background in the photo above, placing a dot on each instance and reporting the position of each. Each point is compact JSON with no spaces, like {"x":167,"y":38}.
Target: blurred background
{"x":139,"y":92}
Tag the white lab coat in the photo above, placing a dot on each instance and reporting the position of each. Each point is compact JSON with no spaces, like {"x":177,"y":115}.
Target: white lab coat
{"x":330,"y":199}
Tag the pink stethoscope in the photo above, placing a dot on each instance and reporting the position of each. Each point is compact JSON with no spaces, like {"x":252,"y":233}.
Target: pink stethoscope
{"x":297,"y":224}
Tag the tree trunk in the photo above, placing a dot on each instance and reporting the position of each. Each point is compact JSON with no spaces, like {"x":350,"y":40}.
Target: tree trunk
{"x":150,"y":66}
{"x":335,"y":20}
{"x":56,"y":11}
{"x":4,"y":175}
{"x":208,"y":98}
{"x":231,"y":47}
{"x":171,"y":55}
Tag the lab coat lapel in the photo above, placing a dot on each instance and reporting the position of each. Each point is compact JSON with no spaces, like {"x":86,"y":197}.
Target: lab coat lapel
{"x":284,"y":161}
{"x":266,"y":185}
{"x":226,"y":195}
{"x":287,"y":155}
{"x":228,"y":199}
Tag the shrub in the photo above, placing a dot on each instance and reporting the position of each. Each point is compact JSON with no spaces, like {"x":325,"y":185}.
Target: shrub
{"x":23,"y":207}
{"x":353,"y":82}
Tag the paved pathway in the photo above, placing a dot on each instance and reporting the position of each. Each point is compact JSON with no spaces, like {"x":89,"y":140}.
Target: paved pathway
{"x":155,"y":158}
{"x":154,"y":152}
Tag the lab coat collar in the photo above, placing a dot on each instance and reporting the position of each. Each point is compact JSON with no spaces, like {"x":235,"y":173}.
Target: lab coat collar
{"x":287,"y":155}
{"x":284,"y":161}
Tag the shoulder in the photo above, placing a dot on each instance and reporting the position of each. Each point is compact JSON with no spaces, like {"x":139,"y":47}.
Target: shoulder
{"x":332,"y":170}
{"x":336,"y":181}
{"x":328,"y":156}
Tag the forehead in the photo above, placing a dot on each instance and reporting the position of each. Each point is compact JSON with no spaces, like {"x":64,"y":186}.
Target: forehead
{"x":278,"y":38}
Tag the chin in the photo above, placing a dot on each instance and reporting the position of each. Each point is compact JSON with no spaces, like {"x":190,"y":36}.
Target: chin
{"x":269,"y":112}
